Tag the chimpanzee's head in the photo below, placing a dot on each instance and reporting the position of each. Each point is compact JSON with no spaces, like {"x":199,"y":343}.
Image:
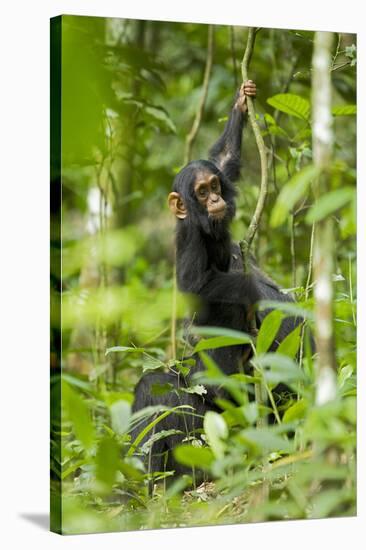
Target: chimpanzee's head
{"x":202,"y":195}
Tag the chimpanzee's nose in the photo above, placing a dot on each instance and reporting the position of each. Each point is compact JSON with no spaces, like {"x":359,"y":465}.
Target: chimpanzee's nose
{"x":214,"y":197}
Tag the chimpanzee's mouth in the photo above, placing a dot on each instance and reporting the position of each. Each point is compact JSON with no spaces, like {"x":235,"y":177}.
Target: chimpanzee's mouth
{"x":217,"y":213}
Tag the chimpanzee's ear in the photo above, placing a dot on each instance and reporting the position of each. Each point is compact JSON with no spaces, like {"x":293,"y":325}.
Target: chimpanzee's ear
{"x":176,"y":205}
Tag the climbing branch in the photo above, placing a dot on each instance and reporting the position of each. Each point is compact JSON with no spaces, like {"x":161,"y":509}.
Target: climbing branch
{"x":260,"y":387}
{"x":191,"y":137}
{"x":253,"y":226}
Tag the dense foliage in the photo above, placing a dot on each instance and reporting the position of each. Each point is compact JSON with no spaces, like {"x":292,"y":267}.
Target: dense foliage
{"x":130,"y":92}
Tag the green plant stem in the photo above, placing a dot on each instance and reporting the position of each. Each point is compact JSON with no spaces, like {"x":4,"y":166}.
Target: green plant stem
{"x":260,"y":390}
{"x":173,"y":335}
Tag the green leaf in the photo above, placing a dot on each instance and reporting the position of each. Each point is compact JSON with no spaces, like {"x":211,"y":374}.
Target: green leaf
{"x":214,"y":373}
{"x":198,"y":389}
{"x":291,"y":309}
{"x":150,"y":363}
{"x":291,"y":193}
{"x":220,"y":331}
{"x":77,"y":382}
{"x":344,"y":374}
{"x":216,"y":430}
{"x":344,"y":110}
{"x":130,"y":470}
{"x":159,"y":115}
{"x":330,"y":203}
{"x":264,"y":440}
{"x":162,"y":434}
{"x":178,"y":486}
{"x":78,"y":413}
{"x":212,"y":369}
{"x":278,"y":368}
{"x":330,"y":501}
{"x":120,"y":416}
{"x":251,"y":412}
{"x":124,"y":349}
{"x":161,"y":389}
{"x":220,"y":342}
{"x":278,"y":131}
{"x":290,"y":345}
{"x":269,"y":119}
{"x":153,"y":423}
{"x":200,"y":457}
{"x":291,"y":104}
{"x":107,"y":463}
{"x":268,"y":330}
{"x":296,"y":411}
{"x":350,"y":51}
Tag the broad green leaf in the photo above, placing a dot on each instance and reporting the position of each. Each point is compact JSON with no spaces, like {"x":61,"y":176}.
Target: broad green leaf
{"x":264,"y":440}
{"x":216,"y":430}
{"x":291,"y":309}
{"x":291,"y":193}
{"x":150,"y":363}
{"x":268,"y":330}
{"x":161,"y":389}
{"x":330,"y":203}
{"x":344,"y":110}
{"x":214,"y":374}
{"x":220,"y":342}
{"x":200,"y":457}
{"x":291,"y":104}
{"x":278,"y":368}
{"x":296,"y":411}
{"x":290,"y":345}
{"x":78,"y":413}
{"x":107,"y":463}
{"x":132,"y":468}
{"x":120,"y":416}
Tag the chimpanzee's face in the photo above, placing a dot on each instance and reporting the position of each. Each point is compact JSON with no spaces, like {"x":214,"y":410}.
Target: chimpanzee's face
{"x":207,"y":189}
{"x":203,"y":197}
{"x":200,"y":197}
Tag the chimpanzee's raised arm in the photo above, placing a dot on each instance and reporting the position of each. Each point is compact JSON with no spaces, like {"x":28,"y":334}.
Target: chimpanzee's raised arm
{"x":227,"y":150}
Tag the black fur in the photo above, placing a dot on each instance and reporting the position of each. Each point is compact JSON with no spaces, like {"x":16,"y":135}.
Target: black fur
{"x":209,"y":266}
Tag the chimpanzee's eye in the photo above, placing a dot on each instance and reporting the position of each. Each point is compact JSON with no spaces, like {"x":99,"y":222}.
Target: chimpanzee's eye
{"x":202,"y":191}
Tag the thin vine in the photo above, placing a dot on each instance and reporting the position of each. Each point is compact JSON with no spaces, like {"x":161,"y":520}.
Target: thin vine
{"x":191,"y":137}
{"x":253,"y":226}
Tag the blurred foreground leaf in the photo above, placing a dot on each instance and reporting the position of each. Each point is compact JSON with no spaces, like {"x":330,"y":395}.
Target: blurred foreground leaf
{"x":200,"y":457}
{"x":78,"y":414}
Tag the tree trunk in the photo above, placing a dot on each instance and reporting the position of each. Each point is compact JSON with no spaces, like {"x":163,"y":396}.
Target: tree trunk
{"x":324,"y":233}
